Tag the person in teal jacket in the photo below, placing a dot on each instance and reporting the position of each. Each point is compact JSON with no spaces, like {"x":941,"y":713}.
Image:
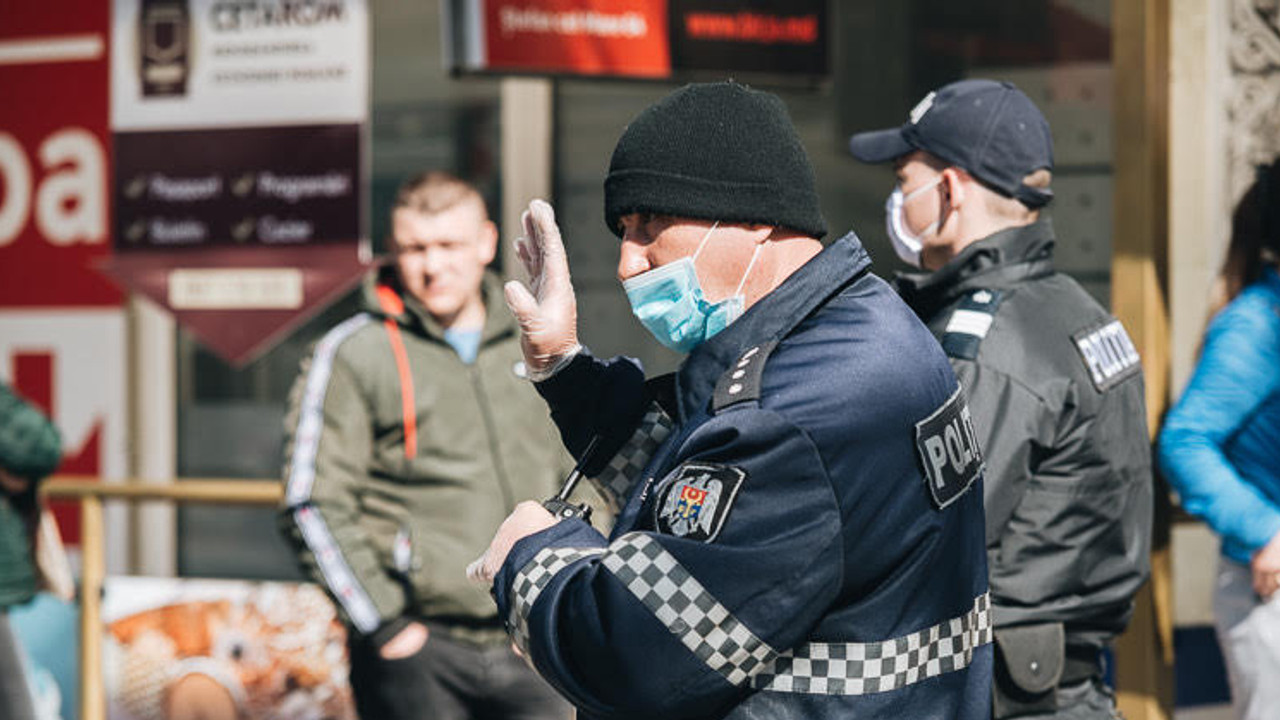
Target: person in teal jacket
{"x":29,"y":450}
{"x":1220,"y":448}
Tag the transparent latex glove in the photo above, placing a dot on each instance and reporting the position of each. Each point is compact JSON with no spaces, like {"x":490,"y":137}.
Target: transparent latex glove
{"x":546,"y":310}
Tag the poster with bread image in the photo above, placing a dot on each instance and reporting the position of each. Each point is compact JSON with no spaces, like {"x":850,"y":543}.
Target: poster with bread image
{"x":182,"y":649}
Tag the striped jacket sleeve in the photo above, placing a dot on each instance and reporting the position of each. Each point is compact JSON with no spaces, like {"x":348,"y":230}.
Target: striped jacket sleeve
{"x":330,"y":442}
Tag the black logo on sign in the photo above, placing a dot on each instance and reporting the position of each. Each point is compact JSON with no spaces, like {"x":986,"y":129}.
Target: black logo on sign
{"x":949,"y":450}
{"x":164,"y":43}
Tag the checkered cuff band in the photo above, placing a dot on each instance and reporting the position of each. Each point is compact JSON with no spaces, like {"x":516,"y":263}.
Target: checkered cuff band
{"x":864,"y":668}
{"x":529,"y":583}
{"x":624,"y":469}
{"x":686,"y":608}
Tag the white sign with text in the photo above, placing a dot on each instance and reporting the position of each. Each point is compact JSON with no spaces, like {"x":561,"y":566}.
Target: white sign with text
{"x":193,"y":64}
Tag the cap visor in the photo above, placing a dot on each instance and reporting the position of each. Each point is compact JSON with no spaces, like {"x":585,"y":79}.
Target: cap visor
{"x":879,"y":146}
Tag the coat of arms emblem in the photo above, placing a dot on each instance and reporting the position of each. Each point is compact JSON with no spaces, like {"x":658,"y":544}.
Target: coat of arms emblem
{"x":695,"y":503}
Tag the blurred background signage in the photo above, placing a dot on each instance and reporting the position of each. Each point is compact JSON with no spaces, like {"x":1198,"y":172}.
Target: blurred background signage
{"x":62,"y":324}
{"x":54,"y":155}
{"x":240,"y":171}
{"x":654,"y":39}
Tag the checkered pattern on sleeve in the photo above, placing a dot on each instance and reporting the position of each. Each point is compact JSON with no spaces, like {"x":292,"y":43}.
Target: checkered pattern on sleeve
{"x":864,"y":668}
{"x":685,"y":607}
{"x":529,"y":583}
{"x":625,"y":467}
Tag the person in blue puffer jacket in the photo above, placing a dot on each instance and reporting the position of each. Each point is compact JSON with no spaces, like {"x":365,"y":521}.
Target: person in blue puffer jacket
{"x":1220,"y":448}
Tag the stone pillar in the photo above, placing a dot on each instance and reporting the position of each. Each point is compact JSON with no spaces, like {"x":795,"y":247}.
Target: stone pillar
{"x":1253,"y":102}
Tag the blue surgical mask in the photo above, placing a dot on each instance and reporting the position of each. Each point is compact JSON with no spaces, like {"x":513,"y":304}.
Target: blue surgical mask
{"x":669,"y":302}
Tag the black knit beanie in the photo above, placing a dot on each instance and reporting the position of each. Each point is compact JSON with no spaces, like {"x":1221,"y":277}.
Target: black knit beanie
{"x":714,"y":151}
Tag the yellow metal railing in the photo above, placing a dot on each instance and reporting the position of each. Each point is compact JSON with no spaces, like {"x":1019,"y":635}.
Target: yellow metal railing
{"x":91,"y":493}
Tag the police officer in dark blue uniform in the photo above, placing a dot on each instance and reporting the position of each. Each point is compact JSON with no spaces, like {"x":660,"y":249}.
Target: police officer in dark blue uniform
{"x":801,"y":533}
{"x":1054,"y":381}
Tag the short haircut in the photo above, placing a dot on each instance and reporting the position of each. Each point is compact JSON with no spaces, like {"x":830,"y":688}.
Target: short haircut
{"x":432,"y":193}
{"x":1014,"y":209}
{"x":998,"y":203}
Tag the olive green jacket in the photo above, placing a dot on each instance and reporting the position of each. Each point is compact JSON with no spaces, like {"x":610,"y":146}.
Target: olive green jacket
{"x":29,"y":448}
{"x":390,"y":535}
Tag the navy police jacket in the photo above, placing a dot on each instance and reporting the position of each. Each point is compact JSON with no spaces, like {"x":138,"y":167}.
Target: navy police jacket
{"x":802,"y":526}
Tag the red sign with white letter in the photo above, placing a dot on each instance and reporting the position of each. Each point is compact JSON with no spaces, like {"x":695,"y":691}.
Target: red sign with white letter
{"x":54,"y":154}
{"x":70,"y":363}
{"x":61,"y":321}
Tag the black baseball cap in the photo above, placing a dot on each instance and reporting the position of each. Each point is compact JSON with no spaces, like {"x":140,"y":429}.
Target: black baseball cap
{"x":990,"y":129}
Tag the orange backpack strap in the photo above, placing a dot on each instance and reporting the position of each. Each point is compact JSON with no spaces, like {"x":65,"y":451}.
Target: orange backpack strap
{"x":394,"y":306}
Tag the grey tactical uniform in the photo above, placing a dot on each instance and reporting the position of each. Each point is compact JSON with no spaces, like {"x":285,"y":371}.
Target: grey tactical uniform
{"x":1056,"y":392}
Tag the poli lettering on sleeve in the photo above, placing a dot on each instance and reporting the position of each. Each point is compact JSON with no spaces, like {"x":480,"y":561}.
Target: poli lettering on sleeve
{"x":1108,"y":353}
{"x":949,"y":451}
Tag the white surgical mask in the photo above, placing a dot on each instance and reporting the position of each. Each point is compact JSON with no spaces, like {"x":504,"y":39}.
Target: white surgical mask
{"x":906,"y":243}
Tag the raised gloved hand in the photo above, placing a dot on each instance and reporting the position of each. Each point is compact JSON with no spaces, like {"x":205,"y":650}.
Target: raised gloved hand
{"x":546,"y":310}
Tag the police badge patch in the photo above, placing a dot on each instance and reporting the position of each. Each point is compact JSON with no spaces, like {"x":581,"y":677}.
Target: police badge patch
{"x":696,"y":499}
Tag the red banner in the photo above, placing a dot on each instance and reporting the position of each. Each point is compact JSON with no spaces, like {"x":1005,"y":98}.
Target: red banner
{"x":581,"y":37}
{"x":55,"y":159}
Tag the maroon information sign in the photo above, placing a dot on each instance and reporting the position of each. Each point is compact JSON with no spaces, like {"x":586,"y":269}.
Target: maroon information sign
{"x":240,"y":302}
{"x":239,"y":175}
{"x":244,"y":187}
{"x":241,"y":233}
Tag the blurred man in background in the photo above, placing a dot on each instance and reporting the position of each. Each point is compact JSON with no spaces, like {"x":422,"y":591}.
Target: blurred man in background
{"x":412,"y":434}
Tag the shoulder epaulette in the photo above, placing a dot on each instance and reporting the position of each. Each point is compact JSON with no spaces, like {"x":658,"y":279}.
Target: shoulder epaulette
{"x":741,"y":382}
{"x":970,"y":322}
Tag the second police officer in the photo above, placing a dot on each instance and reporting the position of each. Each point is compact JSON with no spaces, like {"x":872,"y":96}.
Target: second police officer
{"x":1054,"y":384}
